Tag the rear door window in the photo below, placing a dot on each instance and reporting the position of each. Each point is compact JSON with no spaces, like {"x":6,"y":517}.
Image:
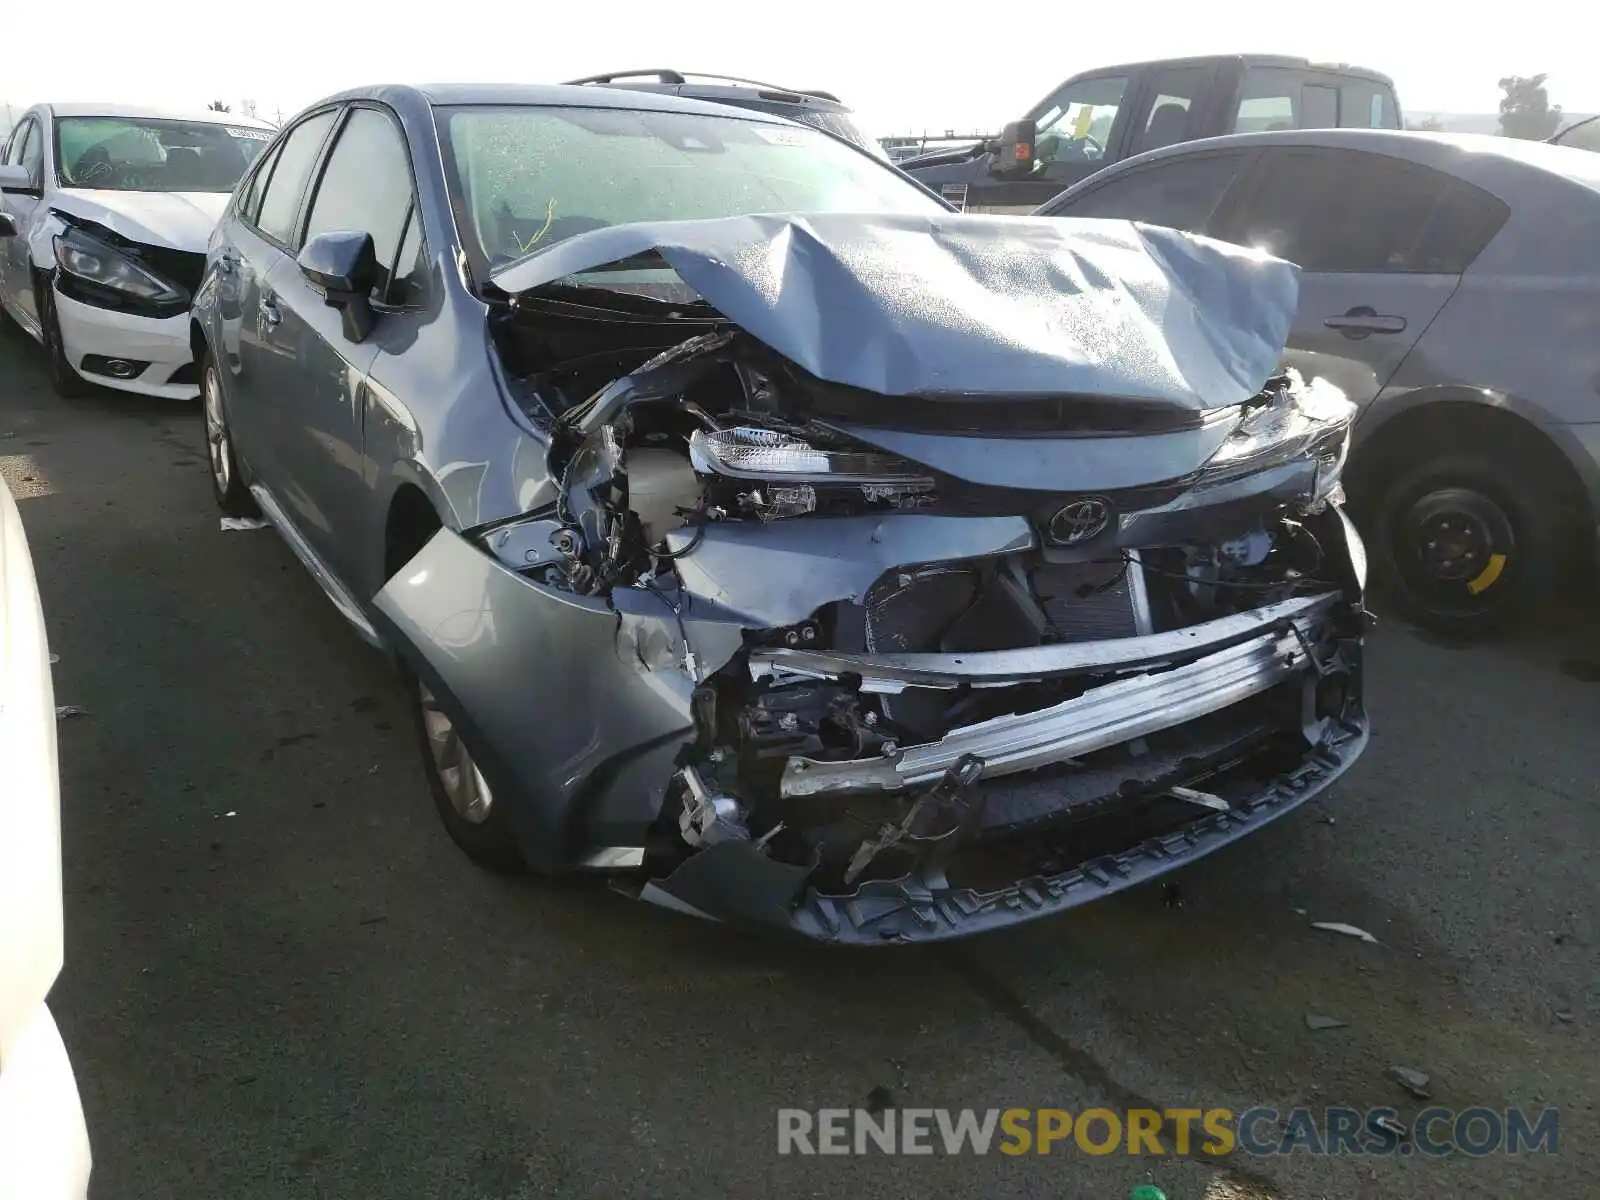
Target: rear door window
{"x":1176,"y":94}
{"x":280,"y":203}
{"x":1180,"y":193}
{"x":1343,"y":211}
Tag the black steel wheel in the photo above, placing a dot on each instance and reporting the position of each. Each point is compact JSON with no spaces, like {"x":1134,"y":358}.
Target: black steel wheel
{"x":1465,"y":545}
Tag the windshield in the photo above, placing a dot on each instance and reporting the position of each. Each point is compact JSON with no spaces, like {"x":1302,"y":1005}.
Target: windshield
{"x":524,"y":178}
{"x":146,"y":154}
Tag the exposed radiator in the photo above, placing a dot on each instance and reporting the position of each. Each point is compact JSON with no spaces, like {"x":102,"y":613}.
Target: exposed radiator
{"x":1089,"y":601}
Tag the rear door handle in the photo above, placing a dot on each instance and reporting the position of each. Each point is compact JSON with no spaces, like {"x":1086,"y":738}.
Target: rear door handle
{"x":268,"y":308}
{"x":1360,"y":321}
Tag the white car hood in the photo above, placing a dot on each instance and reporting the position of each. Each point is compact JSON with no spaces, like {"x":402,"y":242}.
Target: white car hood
{"x":176,"y":220}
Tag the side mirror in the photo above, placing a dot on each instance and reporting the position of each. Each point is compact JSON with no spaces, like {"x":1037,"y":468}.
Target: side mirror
{"x":1015,"y":155}
{"x":344,"y":266}
{"x":14,"y":181}
{"x":8,"y":225}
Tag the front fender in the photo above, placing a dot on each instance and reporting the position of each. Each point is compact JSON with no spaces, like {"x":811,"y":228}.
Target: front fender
{"x":559,"y":696}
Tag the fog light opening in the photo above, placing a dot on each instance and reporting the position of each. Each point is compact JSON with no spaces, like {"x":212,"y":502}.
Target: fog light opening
{"x":116,"y":368}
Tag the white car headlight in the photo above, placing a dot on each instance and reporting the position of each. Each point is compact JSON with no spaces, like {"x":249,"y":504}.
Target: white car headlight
{"x":750,"y":452}
{"x":91,"y":260}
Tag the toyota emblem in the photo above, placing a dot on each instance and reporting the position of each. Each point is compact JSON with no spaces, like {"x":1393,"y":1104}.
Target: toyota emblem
{"x":1080,"y":521}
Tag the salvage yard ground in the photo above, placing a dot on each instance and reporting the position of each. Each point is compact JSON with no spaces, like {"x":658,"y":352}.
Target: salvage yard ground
{"x":282,"y":980}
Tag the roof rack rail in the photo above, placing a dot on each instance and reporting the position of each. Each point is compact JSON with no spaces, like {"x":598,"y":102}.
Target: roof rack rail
{"x":661,"y":76}
{"x":667,"y":75}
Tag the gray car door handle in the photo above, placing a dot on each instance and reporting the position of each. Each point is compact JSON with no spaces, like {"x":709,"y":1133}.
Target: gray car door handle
{"x":268,"y":308}
{"x":1360,"y":321}
{"x":227,"y":264}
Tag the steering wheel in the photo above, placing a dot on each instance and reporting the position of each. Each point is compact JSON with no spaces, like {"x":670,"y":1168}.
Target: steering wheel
{"x":1056,"y":148}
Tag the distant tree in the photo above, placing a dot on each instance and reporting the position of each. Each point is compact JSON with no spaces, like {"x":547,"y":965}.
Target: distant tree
{"x":218,"y":106}
{"x":1525,"y":109}
{"x":1426,"y":125}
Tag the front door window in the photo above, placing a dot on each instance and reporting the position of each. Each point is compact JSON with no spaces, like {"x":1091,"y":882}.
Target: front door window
{"x":1075,"y":130}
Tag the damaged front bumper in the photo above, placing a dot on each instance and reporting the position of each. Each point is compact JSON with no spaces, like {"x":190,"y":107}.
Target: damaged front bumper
{"x":1110,"y":824}
{"x":1101,"y":717}
{"x":734,"y":882}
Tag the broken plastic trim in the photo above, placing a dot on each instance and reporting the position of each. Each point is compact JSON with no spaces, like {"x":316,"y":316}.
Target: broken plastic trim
{"x":892,"y":673}
{"x":664,"y":377}
{"x":1101,"y":717}
{"x":733,"y":881}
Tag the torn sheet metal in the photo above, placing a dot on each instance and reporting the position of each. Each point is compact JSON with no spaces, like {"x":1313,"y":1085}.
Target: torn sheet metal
{"x":555,"y":692}
{"x":780,"y":572}
{"x":966,"y":305}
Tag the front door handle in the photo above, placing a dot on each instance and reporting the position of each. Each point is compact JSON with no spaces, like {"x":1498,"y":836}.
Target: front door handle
{"x":268,"y":308}
{"x":1361,"y":320}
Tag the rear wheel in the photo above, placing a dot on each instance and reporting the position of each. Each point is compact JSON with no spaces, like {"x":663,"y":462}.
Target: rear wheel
{"x":227,"y":482}
{"x":1467,"y":544}
{"x":467,"y":805}
{"x":64,"y":381}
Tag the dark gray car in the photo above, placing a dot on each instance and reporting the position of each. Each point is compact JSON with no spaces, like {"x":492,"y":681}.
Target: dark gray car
{"x":748,"y":521}
{"x":1451,"y":287}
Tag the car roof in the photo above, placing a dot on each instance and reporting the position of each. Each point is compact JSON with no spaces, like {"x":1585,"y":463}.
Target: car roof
{"x":90,"y":109}
{"x":552,"y":95}
{"x":710,"y":87}
{"x":1290,"y":61}
{"x":1495,"y":163}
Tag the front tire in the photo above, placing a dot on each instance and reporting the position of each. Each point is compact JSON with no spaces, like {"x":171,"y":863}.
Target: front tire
{"x":64,"y":381}
{"x":1466,"y":545}
{"x":227,"y":481}
{"x":473,"y":816}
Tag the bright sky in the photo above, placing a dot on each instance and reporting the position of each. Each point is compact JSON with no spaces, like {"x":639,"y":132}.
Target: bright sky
{"x":975,"y":67}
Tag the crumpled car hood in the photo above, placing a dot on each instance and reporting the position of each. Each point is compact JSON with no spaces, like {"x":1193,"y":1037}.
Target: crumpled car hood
{"x":971,"y":305}
{"x":177,"y":220}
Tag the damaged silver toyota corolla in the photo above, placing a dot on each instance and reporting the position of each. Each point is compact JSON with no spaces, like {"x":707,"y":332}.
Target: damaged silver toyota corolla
{"x":873,"y":577}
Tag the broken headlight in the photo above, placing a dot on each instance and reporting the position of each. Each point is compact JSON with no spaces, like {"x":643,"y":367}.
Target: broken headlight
{"x":746,"y":452}
{"x":92,"y":261}
{"x":1300,"y":421}
{"x":790,"y":470}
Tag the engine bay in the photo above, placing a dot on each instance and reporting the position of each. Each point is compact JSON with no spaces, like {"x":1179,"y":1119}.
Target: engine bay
{"x":715,"y":435}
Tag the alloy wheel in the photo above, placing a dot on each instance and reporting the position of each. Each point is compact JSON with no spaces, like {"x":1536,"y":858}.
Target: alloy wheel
{"x":463,"y":783}
{"x":217,"y":443}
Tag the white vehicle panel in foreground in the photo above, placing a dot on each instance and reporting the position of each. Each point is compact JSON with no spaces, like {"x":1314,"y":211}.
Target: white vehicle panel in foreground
{"x":44,"y":1146}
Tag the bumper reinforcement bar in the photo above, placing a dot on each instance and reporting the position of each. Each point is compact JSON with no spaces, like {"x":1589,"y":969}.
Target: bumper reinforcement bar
{"x":1104,"y":716}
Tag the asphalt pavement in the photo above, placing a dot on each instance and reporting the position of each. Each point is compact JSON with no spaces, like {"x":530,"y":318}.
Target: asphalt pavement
{"x":282,"y":979}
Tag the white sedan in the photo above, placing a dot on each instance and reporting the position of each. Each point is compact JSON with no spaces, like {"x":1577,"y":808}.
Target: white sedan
{"x":105,"y":212}
{"x":44,"y":1147}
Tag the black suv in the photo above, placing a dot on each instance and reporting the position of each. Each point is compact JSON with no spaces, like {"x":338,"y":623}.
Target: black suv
{"x":823,"y":110}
